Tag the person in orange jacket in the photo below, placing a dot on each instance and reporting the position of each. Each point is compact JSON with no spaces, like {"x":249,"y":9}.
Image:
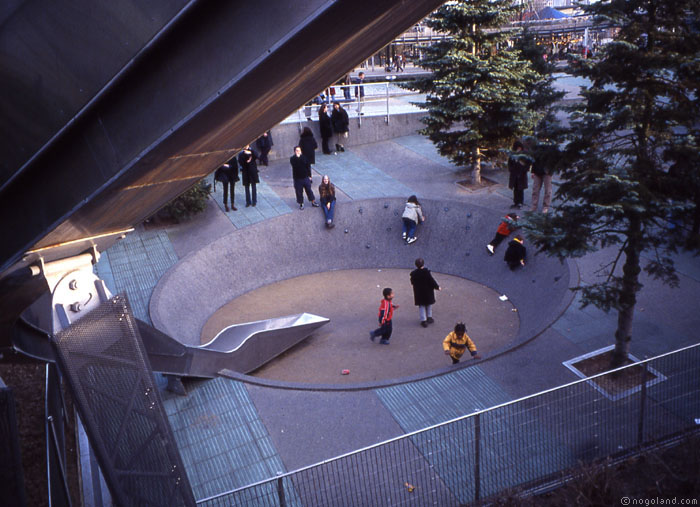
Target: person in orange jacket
{"x":386,"y":313}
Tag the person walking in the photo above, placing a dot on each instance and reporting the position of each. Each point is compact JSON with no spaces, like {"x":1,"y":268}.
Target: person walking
{"x":324,"y":122}
{"x":264,"y":145}
{"x":360,"y":92}
{"x":326,"y":191}
{"x":424,"y":287}
{"x":519,"y":164}
{"x":301,"y":174}
{"x":386,"y":313}
{"x":341,"y":125}
{"x":346,"y":88}
{"x":308,"y":145}
{"x":412,"y":214}
{"x":457,"y":342}
{"x":249,"y":174}
{"x":227,"y":174}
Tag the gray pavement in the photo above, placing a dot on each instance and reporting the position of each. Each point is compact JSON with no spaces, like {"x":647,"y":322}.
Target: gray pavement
{"x":283,"y":428}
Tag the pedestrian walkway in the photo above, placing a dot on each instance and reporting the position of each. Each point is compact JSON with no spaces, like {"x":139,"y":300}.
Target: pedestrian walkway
{"x":232,"y":433}
{"x":269,"y":204}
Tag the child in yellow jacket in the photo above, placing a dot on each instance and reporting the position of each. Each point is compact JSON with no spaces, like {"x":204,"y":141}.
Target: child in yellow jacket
{"x":457,"y":342}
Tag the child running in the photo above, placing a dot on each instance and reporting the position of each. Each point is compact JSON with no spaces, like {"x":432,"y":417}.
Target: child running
{"x":386,"y":312}
{"x":457,"y":342}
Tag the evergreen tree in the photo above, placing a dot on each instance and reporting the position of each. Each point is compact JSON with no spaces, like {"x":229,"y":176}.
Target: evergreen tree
{"x":542,"y":97}
{"x":617,"y":188}
{"x":476,"y":94}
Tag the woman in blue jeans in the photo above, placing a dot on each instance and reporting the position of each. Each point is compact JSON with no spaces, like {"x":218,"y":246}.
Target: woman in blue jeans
{"x":327,"y":192}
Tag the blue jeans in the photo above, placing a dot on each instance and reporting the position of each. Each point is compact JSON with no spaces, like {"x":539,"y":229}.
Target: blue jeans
{"x":329,"y":213}
{"x":247,"y":194}
{"x":384,"y":330}
{"x":409,"y":227}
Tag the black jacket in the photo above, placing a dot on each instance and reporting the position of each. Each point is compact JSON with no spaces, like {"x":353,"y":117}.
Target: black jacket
{"x":264,"y":143}
{"x":228,"y":174}
{"x":340,"y":120}
{"x":301,"y":169}
{"x":308,"y":144}
{"x":325,"y":124}
{"x":249,"y":167}
{"x":424,"y":286}
{"x":518,"y":165}
{"x":515,"y":252}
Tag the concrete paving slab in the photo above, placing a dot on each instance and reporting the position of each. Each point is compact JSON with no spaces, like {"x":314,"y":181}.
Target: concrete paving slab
{"x":310,"y":426}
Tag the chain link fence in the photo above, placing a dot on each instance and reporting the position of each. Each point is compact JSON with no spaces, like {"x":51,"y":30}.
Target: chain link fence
{"x":525,"y":443}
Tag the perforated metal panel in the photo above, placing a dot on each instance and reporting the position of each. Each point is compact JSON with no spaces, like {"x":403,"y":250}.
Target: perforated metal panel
{"x":103,"y":359}
{"x":11,"y":480}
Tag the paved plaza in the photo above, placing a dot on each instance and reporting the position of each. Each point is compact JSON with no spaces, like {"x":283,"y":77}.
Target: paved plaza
{"x":233,"y":432}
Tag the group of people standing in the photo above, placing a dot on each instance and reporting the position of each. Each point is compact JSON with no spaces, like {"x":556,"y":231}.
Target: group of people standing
{"x":536,"y":155}
{"x":335,"y":124}
{"x":247,"y":161}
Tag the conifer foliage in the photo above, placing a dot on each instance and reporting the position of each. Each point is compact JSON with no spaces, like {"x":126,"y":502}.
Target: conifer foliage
{"x":623,"y":171}
{"x":476,"y":95}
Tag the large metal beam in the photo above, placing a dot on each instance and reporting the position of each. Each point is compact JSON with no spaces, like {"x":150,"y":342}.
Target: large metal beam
{"x":205,"y":79}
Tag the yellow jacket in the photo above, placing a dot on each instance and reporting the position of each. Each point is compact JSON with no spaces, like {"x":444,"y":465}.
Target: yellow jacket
{"x":457,"y":345}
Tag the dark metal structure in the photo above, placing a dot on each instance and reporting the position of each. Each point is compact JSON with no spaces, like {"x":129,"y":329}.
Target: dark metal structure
{"x":109,"y":110}
{"x":11,"y":477}
{"x":107,"y":369}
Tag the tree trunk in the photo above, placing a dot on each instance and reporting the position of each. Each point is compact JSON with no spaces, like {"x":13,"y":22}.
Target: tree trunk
{"x":476,"y":167}
{"x":693,"y":241}
{"x":628,"y":296}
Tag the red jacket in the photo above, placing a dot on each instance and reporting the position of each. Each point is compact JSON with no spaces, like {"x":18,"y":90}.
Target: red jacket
{"x":386,"y":311}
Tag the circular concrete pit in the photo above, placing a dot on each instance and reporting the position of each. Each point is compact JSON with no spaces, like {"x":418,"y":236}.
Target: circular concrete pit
{"x":292,"y":263}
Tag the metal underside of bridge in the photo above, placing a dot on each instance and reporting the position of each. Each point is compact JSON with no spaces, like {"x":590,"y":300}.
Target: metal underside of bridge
{"x":109,"y":110}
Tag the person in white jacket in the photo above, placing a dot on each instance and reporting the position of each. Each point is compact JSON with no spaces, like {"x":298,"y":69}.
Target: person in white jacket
{"x":412,"y":214}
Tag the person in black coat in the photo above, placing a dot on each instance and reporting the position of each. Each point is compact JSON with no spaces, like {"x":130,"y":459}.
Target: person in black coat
{"x":424,"y":286}
{"x":515,"y":253}
{"x":324,"y":122}
{"x":249,"y":174}
{"x":301,"y":173}
{"x":264,"y":145}
{"x":519,"y":164}
{"x":308,"y":145}
{"x":227,"y":174}
{"x":341,"y":125}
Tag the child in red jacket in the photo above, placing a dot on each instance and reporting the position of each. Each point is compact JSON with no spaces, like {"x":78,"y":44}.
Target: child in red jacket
{"x":508,"y":224}
{"x":386,"y":312}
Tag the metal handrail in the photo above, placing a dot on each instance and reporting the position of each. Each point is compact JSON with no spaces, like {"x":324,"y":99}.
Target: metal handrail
{"x":475,"y":414}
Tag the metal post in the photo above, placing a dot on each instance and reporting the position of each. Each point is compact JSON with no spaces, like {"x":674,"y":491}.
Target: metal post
{"x":53,"y":436}
{"x":280,"y":492}
{"x":477,"y":457}
{"x":387,"y":102}
{"x":642,"y":403}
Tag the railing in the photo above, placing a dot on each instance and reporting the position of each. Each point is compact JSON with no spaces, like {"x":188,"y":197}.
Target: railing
{"x":382,"y":98}
{"x":521,"y":444}
{"x":56,"y":413}
{"x":12,"y":478}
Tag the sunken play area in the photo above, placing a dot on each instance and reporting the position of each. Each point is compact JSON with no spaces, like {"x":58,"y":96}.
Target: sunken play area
{"x":293,"y":264}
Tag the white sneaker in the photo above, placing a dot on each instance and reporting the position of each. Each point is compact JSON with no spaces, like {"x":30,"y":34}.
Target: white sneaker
{"x":403,"y":235}
{"x":411,"y":240}
{"x":489,"y":247}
